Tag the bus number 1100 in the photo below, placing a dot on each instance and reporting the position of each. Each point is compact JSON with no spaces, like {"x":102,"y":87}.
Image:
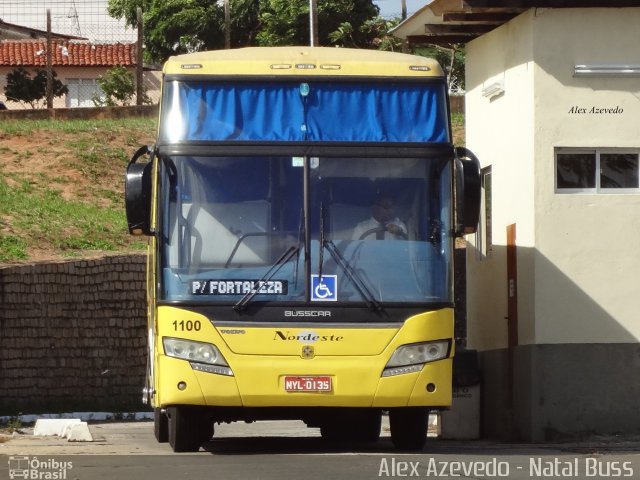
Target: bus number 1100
{"x":187,"y":326}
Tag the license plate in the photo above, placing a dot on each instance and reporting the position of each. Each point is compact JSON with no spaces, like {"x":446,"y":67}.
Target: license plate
{"x":307,"y":384}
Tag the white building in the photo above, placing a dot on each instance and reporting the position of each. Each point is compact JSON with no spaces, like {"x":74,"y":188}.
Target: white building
{"x":553,"y":113}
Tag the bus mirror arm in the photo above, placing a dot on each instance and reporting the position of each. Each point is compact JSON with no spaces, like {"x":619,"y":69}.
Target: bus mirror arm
{"x":137,"y":190}
{"x":467,"y":192}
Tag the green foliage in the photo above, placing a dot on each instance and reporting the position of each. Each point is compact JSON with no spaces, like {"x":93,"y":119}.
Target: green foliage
{"x":118,"y":86}
{"x":21,"y":87}
{"x":126,"y":9}
{"x":12,"y":248}
{"x":340,"y":22}
{"x":180,"y":26}
{"x":452,"y":61}
{"x":43,"y":214}
{"x":378,"y":29}
{"x":77,"y":127}
{"x":14,"y":424}
{"x":35,"y":214}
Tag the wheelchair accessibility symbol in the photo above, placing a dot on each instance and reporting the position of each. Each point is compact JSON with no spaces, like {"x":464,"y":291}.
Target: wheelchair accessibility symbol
{"x":325,"y":289}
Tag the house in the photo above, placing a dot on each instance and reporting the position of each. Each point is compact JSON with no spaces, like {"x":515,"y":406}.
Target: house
{"x":10,"y":31}
{"x":552,"y":108}
{"x":78,"y":65}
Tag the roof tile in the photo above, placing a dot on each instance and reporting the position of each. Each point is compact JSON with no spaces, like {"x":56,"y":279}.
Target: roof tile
{"x":32,"y":53}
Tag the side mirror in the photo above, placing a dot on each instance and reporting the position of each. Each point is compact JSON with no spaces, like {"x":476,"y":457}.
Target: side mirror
{"x":137,"y":192}
{"x":468,"y":191}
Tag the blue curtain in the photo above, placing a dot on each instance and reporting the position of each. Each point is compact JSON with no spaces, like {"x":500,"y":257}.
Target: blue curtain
{"x":330,"y":112}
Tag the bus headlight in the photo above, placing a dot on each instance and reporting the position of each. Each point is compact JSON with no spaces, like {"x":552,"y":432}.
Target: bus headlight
{"x":200,"y":355}
{"x":411,"y":358}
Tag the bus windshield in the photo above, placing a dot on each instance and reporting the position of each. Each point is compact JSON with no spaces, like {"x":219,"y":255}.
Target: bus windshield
{"x":359,"y":229}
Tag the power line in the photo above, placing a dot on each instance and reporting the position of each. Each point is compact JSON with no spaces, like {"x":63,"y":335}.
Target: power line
{"x":83,"y":18}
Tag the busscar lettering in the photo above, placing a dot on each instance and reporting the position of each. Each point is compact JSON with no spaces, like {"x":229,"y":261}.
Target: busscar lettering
{"x":239,"y":287}
{"x":307,"y":313}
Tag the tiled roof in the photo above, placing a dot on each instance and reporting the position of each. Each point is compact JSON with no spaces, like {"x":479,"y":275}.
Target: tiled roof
{"x":32,"y":53}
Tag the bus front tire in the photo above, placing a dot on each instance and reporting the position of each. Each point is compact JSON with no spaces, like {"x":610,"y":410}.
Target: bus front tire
{"x":188,"y":428}
{"x":409,"y":427}
{"x":160,"y":425}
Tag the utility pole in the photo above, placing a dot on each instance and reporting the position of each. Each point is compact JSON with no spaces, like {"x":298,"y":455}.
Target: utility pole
{"x":49,"y":88}
{"x":227,"y":25}
{"x":313,"y":23}
{"x":405,"y":42}
{"x":139,"y":59}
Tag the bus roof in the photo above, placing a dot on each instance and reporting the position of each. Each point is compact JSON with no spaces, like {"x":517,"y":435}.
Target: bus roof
{"x":303,"y":61}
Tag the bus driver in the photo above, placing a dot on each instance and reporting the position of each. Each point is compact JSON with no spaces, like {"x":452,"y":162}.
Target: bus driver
{"x":382,"y":225}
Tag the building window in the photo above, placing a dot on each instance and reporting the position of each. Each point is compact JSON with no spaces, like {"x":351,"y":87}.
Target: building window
{"x":597,"y":171}
{"x":484,"y":243}
{"x":82,"y":92}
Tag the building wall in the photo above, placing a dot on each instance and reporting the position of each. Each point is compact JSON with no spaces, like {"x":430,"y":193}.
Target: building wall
{"x":500,"y":132}
{"x":151,"y":82}
{"x":576,"y":258}
{"x":586,"y":262}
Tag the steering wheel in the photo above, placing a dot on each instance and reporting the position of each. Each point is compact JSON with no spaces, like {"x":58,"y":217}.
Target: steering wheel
{"x":371,"y":231}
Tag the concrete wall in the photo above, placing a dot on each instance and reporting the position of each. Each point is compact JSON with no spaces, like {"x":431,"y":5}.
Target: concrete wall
{"x":575,"y":370}
{"x":586,"y":266}
{"x":73,"y":335}
{"x":151,"y":81}
{"x":500,"y":132}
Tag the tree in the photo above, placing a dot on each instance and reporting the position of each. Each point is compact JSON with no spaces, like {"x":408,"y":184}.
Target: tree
{"x":452,"y":62}
{"x":127,"y":10}
{"x":377,"y":30}
{"x":179,"y":26}
{"x":340,"y":22}
{"x":173,"y":27}
{"x":21,"y":87}
{"x":118,"y":86}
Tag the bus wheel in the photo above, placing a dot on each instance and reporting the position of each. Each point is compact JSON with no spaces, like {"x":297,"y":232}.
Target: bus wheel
{"x":160,"y":425}
{"x":409,"y":427}
{"x":366,"y":426}
{"x":206,"y":429}
{"x":185,"y":428}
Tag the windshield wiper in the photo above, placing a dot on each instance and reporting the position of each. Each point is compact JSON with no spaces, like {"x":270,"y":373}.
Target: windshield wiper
{"x":345,"y":266}
{"x":284,"y":258}
{"x":342,"y":262}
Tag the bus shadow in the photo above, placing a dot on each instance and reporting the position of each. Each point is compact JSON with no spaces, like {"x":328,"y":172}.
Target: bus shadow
{"x":291,"y":445}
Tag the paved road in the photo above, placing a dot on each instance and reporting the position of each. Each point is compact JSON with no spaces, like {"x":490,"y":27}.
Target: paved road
{"x":288,"y":450}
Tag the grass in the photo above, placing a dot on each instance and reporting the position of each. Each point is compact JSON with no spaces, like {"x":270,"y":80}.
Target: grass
{"x":28,"y":127}
{"x":67,"y":225}
{"x":61,"y":186}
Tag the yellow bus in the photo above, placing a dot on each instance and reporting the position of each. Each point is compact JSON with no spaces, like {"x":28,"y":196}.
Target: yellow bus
{"x":302,"y":205}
